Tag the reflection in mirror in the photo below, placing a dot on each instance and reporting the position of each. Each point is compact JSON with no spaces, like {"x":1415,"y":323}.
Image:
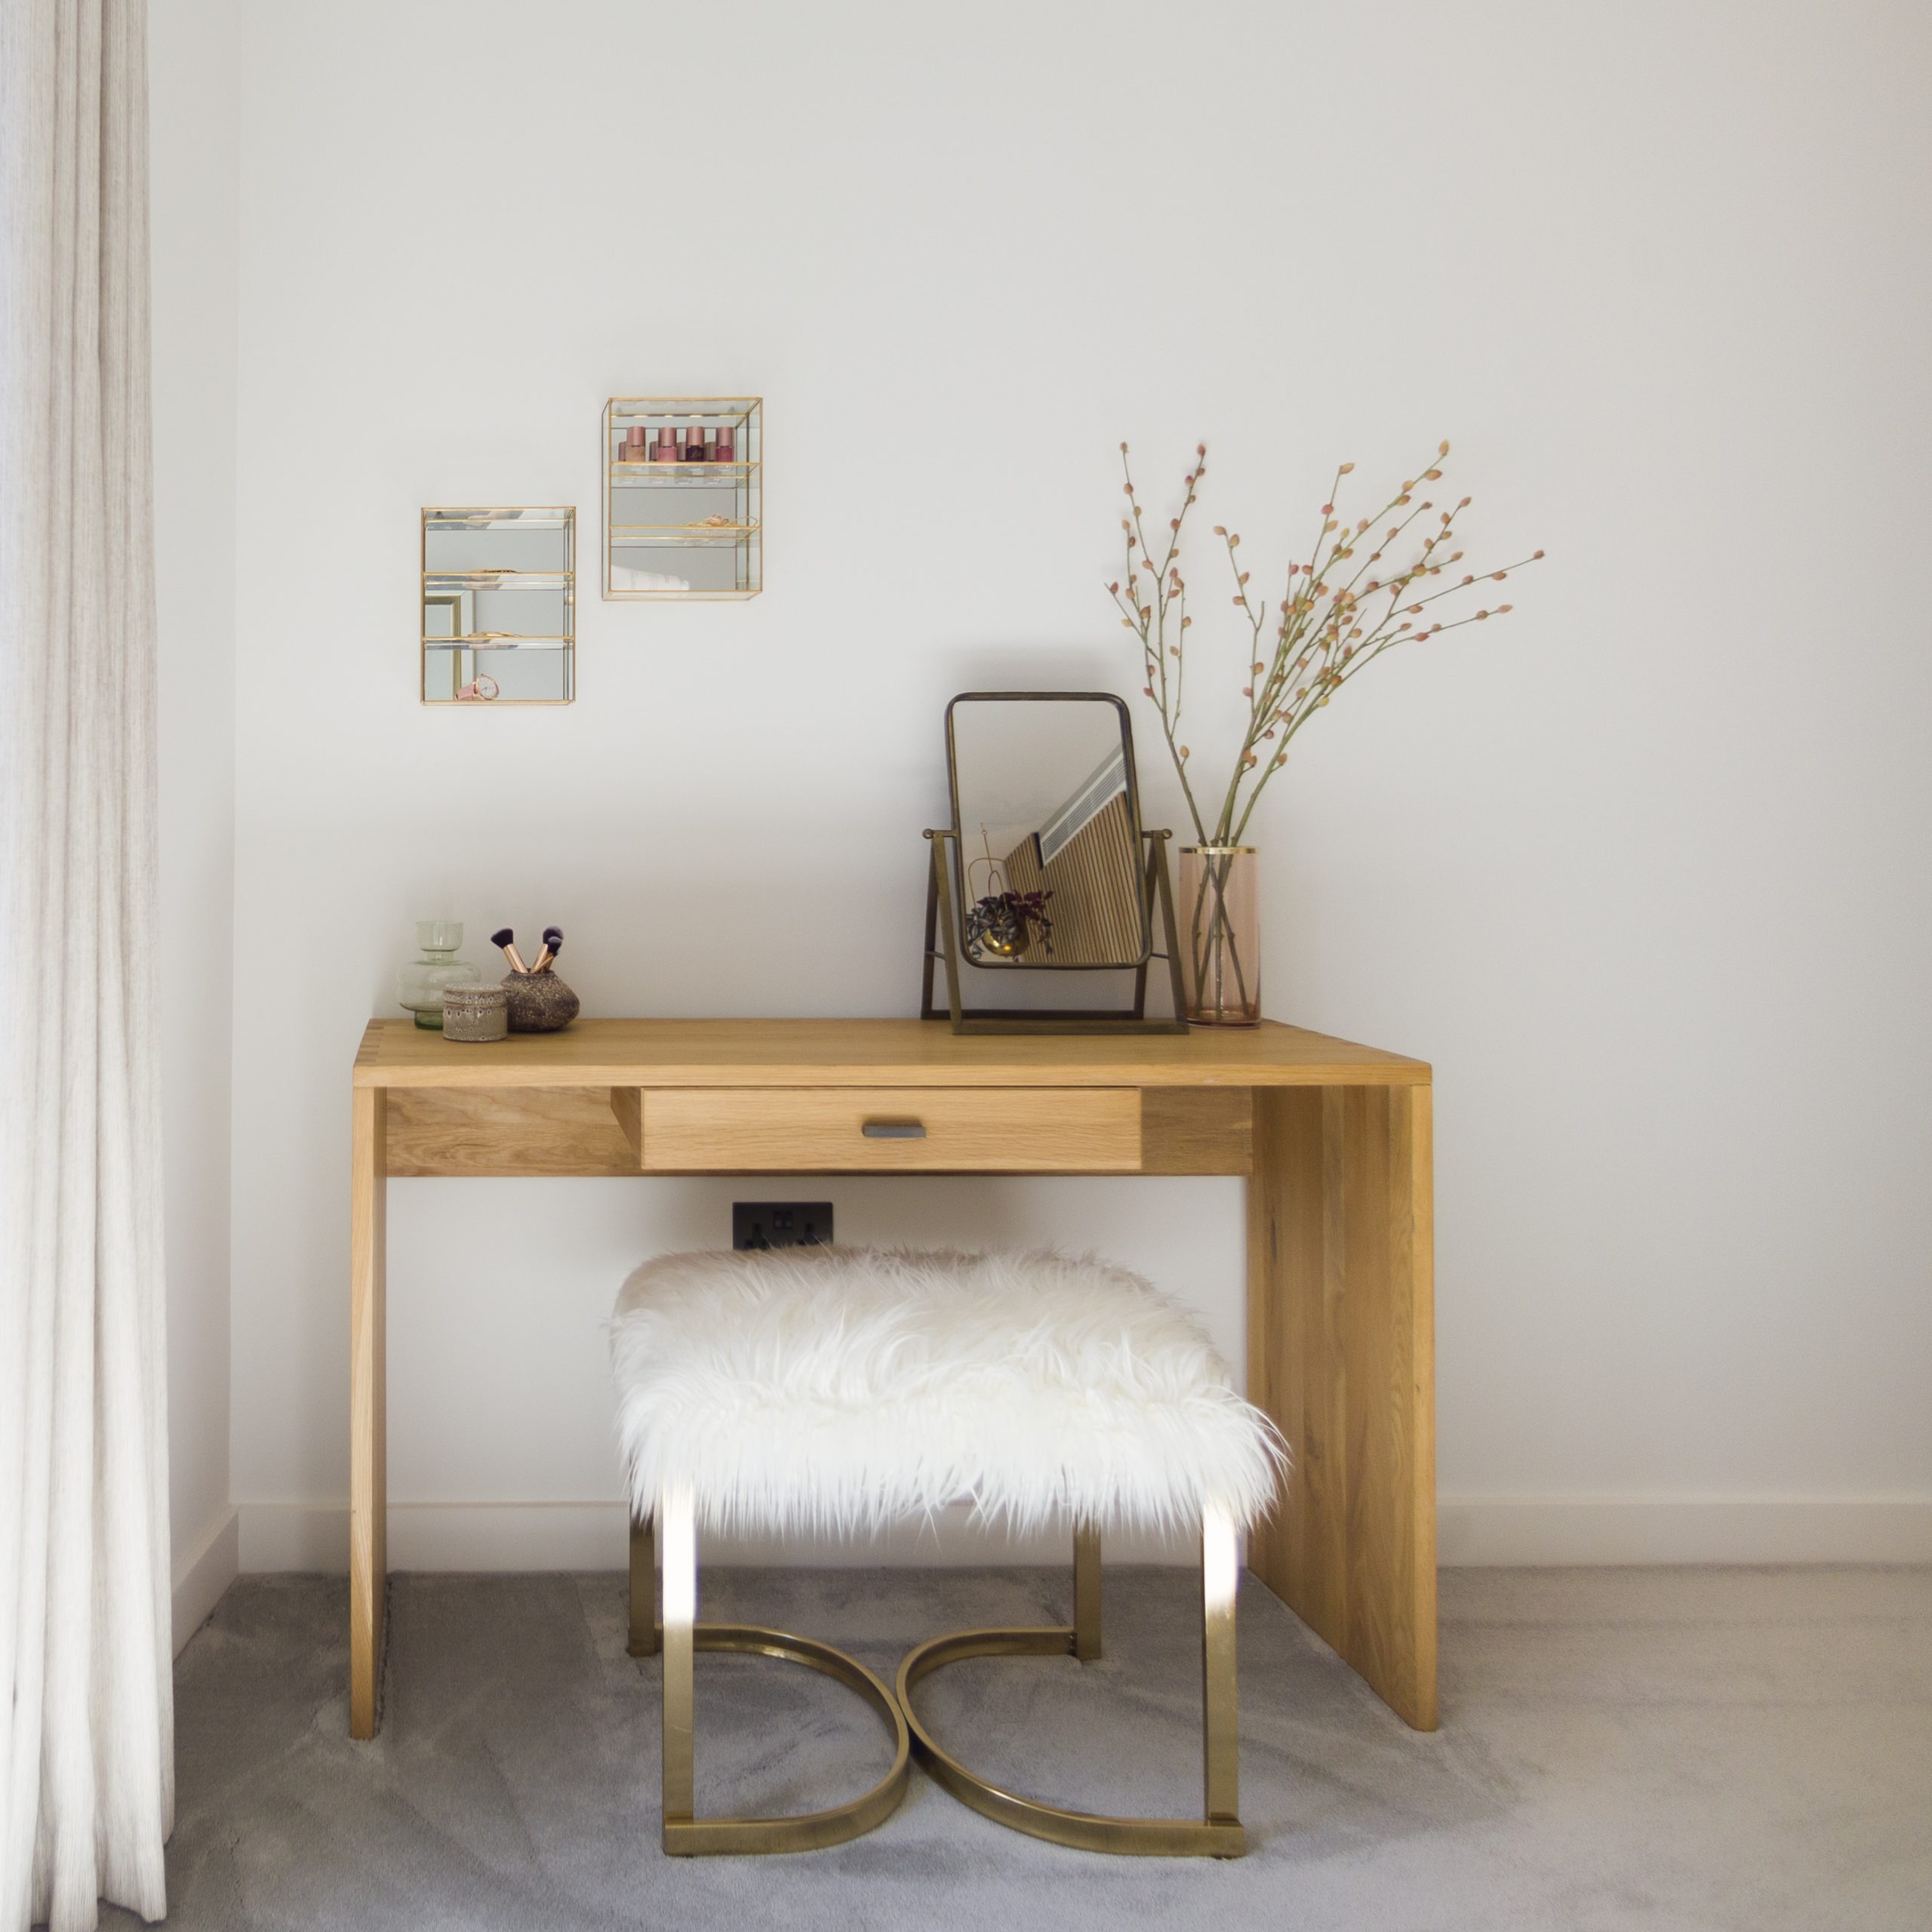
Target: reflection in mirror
{"x":1049,"y":862}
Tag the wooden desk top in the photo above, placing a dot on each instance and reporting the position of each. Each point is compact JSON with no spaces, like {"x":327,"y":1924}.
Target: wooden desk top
{"x":871,"y":1053}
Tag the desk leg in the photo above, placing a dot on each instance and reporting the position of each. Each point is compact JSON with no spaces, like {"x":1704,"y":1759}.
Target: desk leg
{"x":1341,"y":1352}
{"x":368,"y":1480}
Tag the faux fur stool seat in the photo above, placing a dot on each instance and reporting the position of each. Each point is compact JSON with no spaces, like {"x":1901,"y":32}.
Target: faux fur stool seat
{"x":812,"y":1390}
{"x":839,"y":1389}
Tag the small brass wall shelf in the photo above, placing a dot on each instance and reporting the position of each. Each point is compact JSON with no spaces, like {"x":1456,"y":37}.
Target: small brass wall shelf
{"x":499,"y":616}
{"x":684,"y":494}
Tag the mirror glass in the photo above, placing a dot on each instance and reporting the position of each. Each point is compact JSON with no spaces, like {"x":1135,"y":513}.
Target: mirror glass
{"x":1051,"y":871}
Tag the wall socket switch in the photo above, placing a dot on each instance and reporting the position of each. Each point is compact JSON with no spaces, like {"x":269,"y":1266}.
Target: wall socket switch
{"x":781,"y":1223}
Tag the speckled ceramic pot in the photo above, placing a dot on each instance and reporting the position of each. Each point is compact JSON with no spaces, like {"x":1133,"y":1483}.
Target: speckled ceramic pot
{"x":540,"y":1002}
{"x":475,"y":1015}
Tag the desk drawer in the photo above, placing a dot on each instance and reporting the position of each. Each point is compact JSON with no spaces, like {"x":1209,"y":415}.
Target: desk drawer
{"x":888,"y":1130}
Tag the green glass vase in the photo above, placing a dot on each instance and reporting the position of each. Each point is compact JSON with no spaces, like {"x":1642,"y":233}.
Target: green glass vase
{"x":420,"y":988}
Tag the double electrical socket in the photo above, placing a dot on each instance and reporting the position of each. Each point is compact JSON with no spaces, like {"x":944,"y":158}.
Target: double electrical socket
{"x":781,"y":1223}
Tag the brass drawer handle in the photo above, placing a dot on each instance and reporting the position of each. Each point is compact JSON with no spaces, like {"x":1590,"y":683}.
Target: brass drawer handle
{"x":894,"y":1130}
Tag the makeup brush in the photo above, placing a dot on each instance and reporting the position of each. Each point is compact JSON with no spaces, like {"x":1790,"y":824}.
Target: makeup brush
{"x":506,"y":938}
{"x":553,"y":944}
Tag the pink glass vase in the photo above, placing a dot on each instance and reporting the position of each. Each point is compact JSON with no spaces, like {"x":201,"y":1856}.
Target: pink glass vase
{"x":1220,"y":917}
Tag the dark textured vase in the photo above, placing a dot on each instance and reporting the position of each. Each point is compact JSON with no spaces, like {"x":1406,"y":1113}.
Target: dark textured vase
{"x":539,"y":1002}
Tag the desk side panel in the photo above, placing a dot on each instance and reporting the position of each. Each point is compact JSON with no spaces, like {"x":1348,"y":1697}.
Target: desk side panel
{"x":1341,"y":1354}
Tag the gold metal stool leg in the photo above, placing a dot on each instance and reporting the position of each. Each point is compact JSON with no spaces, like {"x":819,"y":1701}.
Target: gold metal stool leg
{"x":1086,"y":1594}
{"x":1217,"y":1833}
{"x":1220,"y":1738}
{"x":644,"y":1590}
{"x":685,"y":1834}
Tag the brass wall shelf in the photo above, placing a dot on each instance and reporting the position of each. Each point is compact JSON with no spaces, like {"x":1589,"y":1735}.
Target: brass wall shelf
{"x":499,"y":606}
{"x":655,"y":549}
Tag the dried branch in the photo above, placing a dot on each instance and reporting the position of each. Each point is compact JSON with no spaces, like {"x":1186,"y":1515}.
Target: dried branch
{"x":1326,"y":634}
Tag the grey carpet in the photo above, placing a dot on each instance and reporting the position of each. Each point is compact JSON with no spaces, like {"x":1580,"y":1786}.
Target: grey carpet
{"x":1663,"y":1748}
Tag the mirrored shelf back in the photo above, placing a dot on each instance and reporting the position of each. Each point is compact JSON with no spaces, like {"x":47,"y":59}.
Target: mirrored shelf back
{"x":683,"y":496}
{"x":499,"y":606}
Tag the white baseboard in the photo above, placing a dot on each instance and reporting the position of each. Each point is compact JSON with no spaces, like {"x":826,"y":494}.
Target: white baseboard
{"x":202,"y":1576}
{"x":1535,"y":1532}
{"x":592,"y":1536}
{"x":1539,"y":1532}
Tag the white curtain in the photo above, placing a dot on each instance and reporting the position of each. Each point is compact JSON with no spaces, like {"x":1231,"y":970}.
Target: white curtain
{"x":86,"y":1711}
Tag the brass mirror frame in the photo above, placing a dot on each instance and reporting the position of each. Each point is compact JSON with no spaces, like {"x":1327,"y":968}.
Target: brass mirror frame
{"x":946,"y":882}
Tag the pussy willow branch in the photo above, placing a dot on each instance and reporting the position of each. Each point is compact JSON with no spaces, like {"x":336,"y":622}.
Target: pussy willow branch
{"x":1325,"y":637}
{"x":1149,"y":621}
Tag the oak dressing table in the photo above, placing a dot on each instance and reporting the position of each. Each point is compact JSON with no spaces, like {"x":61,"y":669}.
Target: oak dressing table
{"x":1333,"y":1140}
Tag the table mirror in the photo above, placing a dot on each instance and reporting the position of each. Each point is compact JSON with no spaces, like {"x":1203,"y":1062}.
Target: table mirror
{"x":1045,"y":867}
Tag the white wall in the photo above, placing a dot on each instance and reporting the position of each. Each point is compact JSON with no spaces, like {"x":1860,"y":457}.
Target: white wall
{"x":194,"y":93}
{"x":1642,"y":871}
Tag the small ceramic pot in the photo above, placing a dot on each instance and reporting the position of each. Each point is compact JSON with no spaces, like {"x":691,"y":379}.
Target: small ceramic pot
{"x":475,"y":1015}
{"x":539,"y":1002}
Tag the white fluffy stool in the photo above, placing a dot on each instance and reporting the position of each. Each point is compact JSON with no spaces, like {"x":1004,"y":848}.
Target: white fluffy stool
{"x":837,"y":1390}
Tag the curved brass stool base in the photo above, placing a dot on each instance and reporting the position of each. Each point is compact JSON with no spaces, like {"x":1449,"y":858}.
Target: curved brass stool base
{"x":1160,"y":1838}
{"x":806,"y":1831}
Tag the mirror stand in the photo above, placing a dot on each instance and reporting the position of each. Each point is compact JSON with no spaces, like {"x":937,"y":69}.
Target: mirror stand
{"x":940,"y":945}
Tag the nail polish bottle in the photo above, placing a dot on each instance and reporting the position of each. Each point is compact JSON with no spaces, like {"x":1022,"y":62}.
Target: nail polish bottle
{"x":694,"y":443}
{"x":667,"y":445}
{"x":727,"y":447}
